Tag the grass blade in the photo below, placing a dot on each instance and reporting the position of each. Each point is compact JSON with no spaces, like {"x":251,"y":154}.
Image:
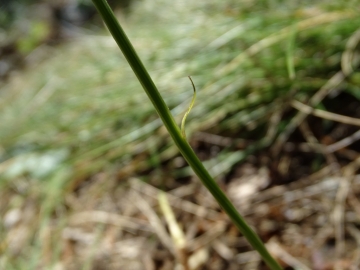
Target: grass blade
{"x":169,"y":122}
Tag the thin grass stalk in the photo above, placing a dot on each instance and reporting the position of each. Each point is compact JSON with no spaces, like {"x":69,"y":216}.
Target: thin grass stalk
{"x":181,"y":142}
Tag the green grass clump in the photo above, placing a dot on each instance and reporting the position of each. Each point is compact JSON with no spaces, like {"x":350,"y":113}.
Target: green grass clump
{"x":81,"y":111}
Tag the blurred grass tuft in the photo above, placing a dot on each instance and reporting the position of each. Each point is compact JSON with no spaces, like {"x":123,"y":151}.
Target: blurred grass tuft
{"x":80,"y":111}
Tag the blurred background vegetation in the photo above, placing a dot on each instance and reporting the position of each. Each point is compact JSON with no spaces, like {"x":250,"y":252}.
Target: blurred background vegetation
{"x":77,"y":131}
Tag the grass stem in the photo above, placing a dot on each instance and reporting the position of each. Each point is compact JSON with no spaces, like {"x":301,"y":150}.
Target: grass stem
{"x":175,"y":132}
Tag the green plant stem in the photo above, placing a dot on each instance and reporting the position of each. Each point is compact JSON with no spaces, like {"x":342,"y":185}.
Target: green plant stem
{"x":169,"y":122}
